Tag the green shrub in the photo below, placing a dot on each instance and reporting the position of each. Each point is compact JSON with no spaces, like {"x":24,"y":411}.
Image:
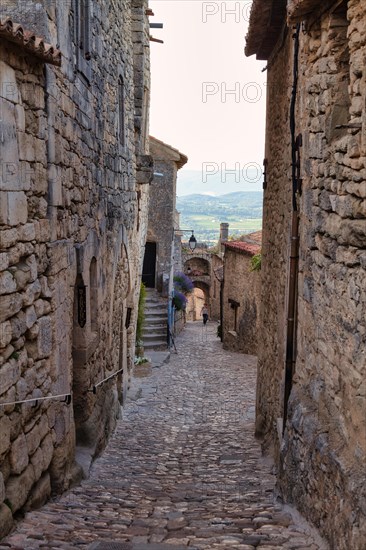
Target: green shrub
{"x":256,"y":262}
{"x":141,"y":313}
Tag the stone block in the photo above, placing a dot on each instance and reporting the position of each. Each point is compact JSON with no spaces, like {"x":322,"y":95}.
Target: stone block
{"x":8,"y":284}
{"x":33,"y":332}
{"x":32,"y":292}
{"x":18,"y":488}
{"x":9,"y":375}
{"x":47,"y":451}
{"x":5,"y":334}
{"x":8,"y":238}
{"x":43,"y":231}
{"x":13,"y":208}
{"x":2,"y":488}
{"x":10,"y":305}
{"x":31,"y":264}
{"x":6,"y":517}
{"x":55,"y":185}
{"x":5,"y":431}
{"x":22,"y":389}
{"x":353,"y":232}
{"x":30,"y":316}
{"x":20,"y":118}
{"x":4,"y":261}
{"x":41,"y":492}
{"x":18,"y":325}
{"x":36,"y":434}
{"x":45,"y":292}
{"x":348,"y":206}
{"x":19,"y":455}
{"x":8,"y":83}
{"x":22,"y":276}
{"x":37,"y":462}
{"x":27,"y":232}
{"x":27,"y":147}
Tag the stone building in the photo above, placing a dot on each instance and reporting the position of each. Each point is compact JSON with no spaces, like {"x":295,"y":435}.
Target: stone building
{"x":241,"y":296}
{"x":163,"y":244}
{"x":311,"y":400}
{"x":159,"y":249}
{"x":74,"y":195}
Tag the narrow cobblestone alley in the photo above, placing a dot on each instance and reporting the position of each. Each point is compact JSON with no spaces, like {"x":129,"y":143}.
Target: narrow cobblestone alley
{"x":182,"y":469}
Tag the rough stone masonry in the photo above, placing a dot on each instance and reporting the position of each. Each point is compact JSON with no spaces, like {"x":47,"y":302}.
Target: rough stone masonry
{"x":74,"y":190}
{"x":321,"y":454}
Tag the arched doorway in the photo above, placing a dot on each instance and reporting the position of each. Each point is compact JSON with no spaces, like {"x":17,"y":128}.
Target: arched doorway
{"x":196,"y":299}
{"x":149,"y":266}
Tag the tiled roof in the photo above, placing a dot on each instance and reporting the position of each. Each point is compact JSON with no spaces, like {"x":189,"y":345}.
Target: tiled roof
{"x":243,"y":247}
{"x":27,"y":40}
{"x":252,"y":238}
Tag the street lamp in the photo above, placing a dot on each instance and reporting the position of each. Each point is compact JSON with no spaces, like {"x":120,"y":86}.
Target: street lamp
{"x":192,"y":243}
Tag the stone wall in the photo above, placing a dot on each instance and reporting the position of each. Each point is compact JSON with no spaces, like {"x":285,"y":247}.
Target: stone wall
{"x":216,"y":278}
{"x":322,"y":455}
{"x":73,"y":220}
{"x":275,"y":249}
{"x":162,"y":210}
{"x":240,"y":303}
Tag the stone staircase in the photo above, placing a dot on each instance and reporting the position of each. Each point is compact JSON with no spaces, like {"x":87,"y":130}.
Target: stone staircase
{"x":156,"y":319}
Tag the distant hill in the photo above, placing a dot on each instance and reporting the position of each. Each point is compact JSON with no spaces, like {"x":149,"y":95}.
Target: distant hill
{"x":193,"y":181}
{"x":204,"y":213}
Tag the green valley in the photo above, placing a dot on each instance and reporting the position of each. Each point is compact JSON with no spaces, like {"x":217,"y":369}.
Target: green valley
{"x":204,"y":213}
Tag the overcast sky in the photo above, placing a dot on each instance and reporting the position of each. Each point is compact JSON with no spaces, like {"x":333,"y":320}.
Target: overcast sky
{"x":201,"y":60}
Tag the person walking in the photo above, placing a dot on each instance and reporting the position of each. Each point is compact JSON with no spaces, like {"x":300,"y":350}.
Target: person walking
{"x":204,"y":313}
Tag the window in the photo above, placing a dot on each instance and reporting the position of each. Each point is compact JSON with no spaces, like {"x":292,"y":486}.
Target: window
{"x":82,"y":10}
{"x":338,"y":117}
{"x":93,"y":281}
{"x":234,"y":306}
{"x":121,"y":112}
{"x":84,"y":28}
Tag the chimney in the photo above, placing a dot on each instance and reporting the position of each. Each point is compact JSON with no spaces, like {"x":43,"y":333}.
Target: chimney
{"x":224,"y":232}
{"x":224,"y":236}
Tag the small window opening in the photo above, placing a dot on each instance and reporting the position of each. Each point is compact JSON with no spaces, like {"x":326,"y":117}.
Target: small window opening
{"x":93,"y":296}
{"x":121,"y":112}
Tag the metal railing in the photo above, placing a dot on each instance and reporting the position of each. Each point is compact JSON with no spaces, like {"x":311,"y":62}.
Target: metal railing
{"x":66,"y":399}
{"x":94,"y":388}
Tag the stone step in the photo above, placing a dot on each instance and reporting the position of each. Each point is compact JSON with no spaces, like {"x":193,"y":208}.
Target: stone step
{"x":153,"y":336}
{"x":148,"y":329}
{"x":155,"y":305}
{"x":154,"y":310}
{"x":154,"y":329}
{"x":157,"y":321}
{"x":157,"y":345}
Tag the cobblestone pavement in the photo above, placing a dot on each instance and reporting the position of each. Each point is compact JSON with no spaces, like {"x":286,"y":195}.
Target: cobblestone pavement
{"x":182,"y":469}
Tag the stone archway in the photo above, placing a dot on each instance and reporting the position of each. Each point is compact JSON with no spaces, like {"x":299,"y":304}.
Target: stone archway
{"x":199,"y":296}
{"x":197,"y":267}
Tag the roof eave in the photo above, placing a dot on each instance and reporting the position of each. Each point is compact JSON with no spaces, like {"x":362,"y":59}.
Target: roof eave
{"x":267,"y":18}
{"x":30,"y":43}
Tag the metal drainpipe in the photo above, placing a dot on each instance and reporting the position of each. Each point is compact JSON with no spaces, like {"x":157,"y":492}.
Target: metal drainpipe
{"x":222,"y":309}
{"x":294,"y":254}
